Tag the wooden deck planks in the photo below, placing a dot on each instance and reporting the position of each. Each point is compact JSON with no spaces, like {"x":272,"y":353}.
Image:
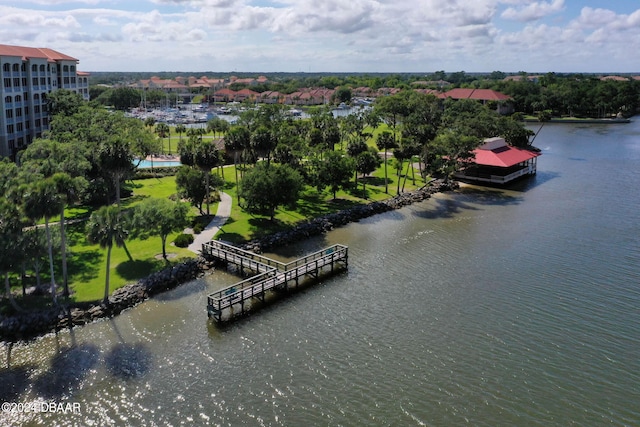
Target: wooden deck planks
{"x":270,"y":274}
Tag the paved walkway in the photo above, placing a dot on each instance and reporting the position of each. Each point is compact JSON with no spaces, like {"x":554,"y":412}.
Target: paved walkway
{"x":222,"y":214}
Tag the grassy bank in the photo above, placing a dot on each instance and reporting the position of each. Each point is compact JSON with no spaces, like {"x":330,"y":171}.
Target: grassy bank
{"x":87,"y":263}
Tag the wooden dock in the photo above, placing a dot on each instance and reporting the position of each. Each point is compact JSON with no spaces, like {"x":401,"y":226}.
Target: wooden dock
{"x":270,"y":275}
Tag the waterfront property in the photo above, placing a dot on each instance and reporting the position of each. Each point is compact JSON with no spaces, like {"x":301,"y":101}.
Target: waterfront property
{"x":496,"y":162}
{"x":270,"y":275}
{"x":28,"y":76}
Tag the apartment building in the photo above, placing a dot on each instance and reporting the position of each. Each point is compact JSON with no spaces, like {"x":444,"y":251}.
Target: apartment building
{"x":28,"y":75}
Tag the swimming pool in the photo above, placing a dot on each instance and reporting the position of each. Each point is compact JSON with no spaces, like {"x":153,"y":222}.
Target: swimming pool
{"x":145,"y":164}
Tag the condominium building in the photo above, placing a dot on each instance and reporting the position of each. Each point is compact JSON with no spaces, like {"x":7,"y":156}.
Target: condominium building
{"x":28,"y":76}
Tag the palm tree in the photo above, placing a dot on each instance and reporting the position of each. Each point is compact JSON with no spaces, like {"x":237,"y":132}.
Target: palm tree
{"x":10,"y":230}
{"x":69,"y":190}
{"x":207,"y":157}
{"x":180,"y":129}
{"x":385,"y":141}
{"x":106,"y":227}
{"x":116,"y":158}
{"x":164,"y":131}
{"x":42,"y":200}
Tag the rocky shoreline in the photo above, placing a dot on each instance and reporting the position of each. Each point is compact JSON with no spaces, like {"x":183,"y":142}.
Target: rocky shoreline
{"x":24,"y":326}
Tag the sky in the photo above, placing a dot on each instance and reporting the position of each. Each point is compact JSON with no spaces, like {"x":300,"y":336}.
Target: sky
{"x":369,"y":36}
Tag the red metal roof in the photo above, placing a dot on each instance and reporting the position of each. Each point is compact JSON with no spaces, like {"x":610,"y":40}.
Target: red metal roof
{"x":504,"y":156}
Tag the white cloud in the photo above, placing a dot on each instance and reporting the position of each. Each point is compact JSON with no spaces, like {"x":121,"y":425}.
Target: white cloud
{"x":39,"y":20}
{"x":329,"y":35}
{"x":533,"y":11}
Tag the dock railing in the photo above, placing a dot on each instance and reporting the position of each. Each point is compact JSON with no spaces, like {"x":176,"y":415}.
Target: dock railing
{"x":271,"y":274}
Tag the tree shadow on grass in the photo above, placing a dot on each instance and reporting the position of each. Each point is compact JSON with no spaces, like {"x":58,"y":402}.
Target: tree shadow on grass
{"x":260,"y":227}
{"x":133,"y":270}
{"x":313,"y":205}
{"x":373,"y":181}
{"x":128,"y":361}
{"x":68,"y":369}
{"x":84,"y":266}
{"x":236,"y":238}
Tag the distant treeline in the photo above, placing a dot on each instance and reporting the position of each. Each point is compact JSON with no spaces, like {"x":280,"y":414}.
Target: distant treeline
{"x":580,"y":95}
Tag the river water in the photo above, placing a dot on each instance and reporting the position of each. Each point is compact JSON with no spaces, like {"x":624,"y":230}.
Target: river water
{"x":483,"y":307}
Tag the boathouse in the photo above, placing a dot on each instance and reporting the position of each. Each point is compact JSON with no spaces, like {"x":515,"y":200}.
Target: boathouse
{"x":496,"y":162}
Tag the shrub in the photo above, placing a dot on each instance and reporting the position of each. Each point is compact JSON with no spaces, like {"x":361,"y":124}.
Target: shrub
{"x":198,"y":227}
{"x":183,"y":240}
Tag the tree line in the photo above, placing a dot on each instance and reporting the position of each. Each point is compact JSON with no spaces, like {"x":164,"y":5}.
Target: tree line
{"x":580,"y":95}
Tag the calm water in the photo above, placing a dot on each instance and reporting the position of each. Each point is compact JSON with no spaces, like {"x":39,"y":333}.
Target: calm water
{"x":485,"y":307}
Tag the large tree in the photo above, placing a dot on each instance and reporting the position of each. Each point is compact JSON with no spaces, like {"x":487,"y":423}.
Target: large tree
{"x":367,"y":162}
{"x":265,"y":188}
{"x":334,"y":171}
{"x":448,"y":152}
{"x":191,"y":185}
{"x":159,"y":217}
{"x":106,"y":227}
{"x":205,"y":156}
{"x":63,"y":102}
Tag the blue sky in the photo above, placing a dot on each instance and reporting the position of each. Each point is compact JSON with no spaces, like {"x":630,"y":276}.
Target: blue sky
{"x":332,"y":35}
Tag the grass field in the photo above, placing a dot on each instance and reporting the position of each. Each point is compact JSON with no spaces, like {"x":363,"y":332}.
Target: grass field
{"x":87,"y":263}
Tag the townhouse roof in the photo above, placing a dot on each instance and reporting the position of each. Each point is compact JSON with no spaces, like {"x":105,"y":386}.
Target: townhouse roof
{"x":247,"y":92}
{"x":34,"y":52}
{"x":479,"y":94}
{"x":615,"y":78}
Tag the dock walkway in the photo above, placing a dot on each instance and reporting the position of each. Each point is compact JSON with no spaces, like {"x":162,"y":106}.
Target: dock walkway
{"x":270,"y":274}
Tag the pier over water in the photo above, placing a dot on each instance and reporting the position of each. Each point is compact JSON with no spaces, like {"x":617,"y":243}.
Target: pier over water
{"x":269,"y":275}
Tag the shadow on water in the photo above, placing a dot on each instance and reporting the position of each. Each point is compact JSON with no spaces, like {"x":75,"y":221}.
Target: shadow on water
{"x":521,"y":185}
{"x":14,"y":380}
{"x":274,"y":300}
{"x":310,"y":245}
{"x":68,"y":368}
{"x":529,"y":183}
{"x":467,"y":199}
{"x":128,"y":361}
{"x":182,"y":291}
{"x":486,"y":196}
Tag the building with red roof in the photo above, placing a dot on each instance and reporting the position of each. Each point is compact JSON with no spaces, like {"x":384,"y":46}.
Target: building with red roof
{"x":496,"y":162}
{"x":504,"y":105}
{"x":28,"y":76}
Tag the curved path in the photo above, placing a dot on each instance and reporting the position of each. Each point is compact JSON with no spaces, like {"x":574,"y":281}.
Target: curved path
{"x":222,"y":214}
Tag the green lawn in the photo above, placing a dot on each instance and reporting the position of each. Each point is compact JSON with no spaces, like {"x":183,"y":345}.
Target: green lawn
{"x":87,"y":263}
{"x":243,"y":226}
